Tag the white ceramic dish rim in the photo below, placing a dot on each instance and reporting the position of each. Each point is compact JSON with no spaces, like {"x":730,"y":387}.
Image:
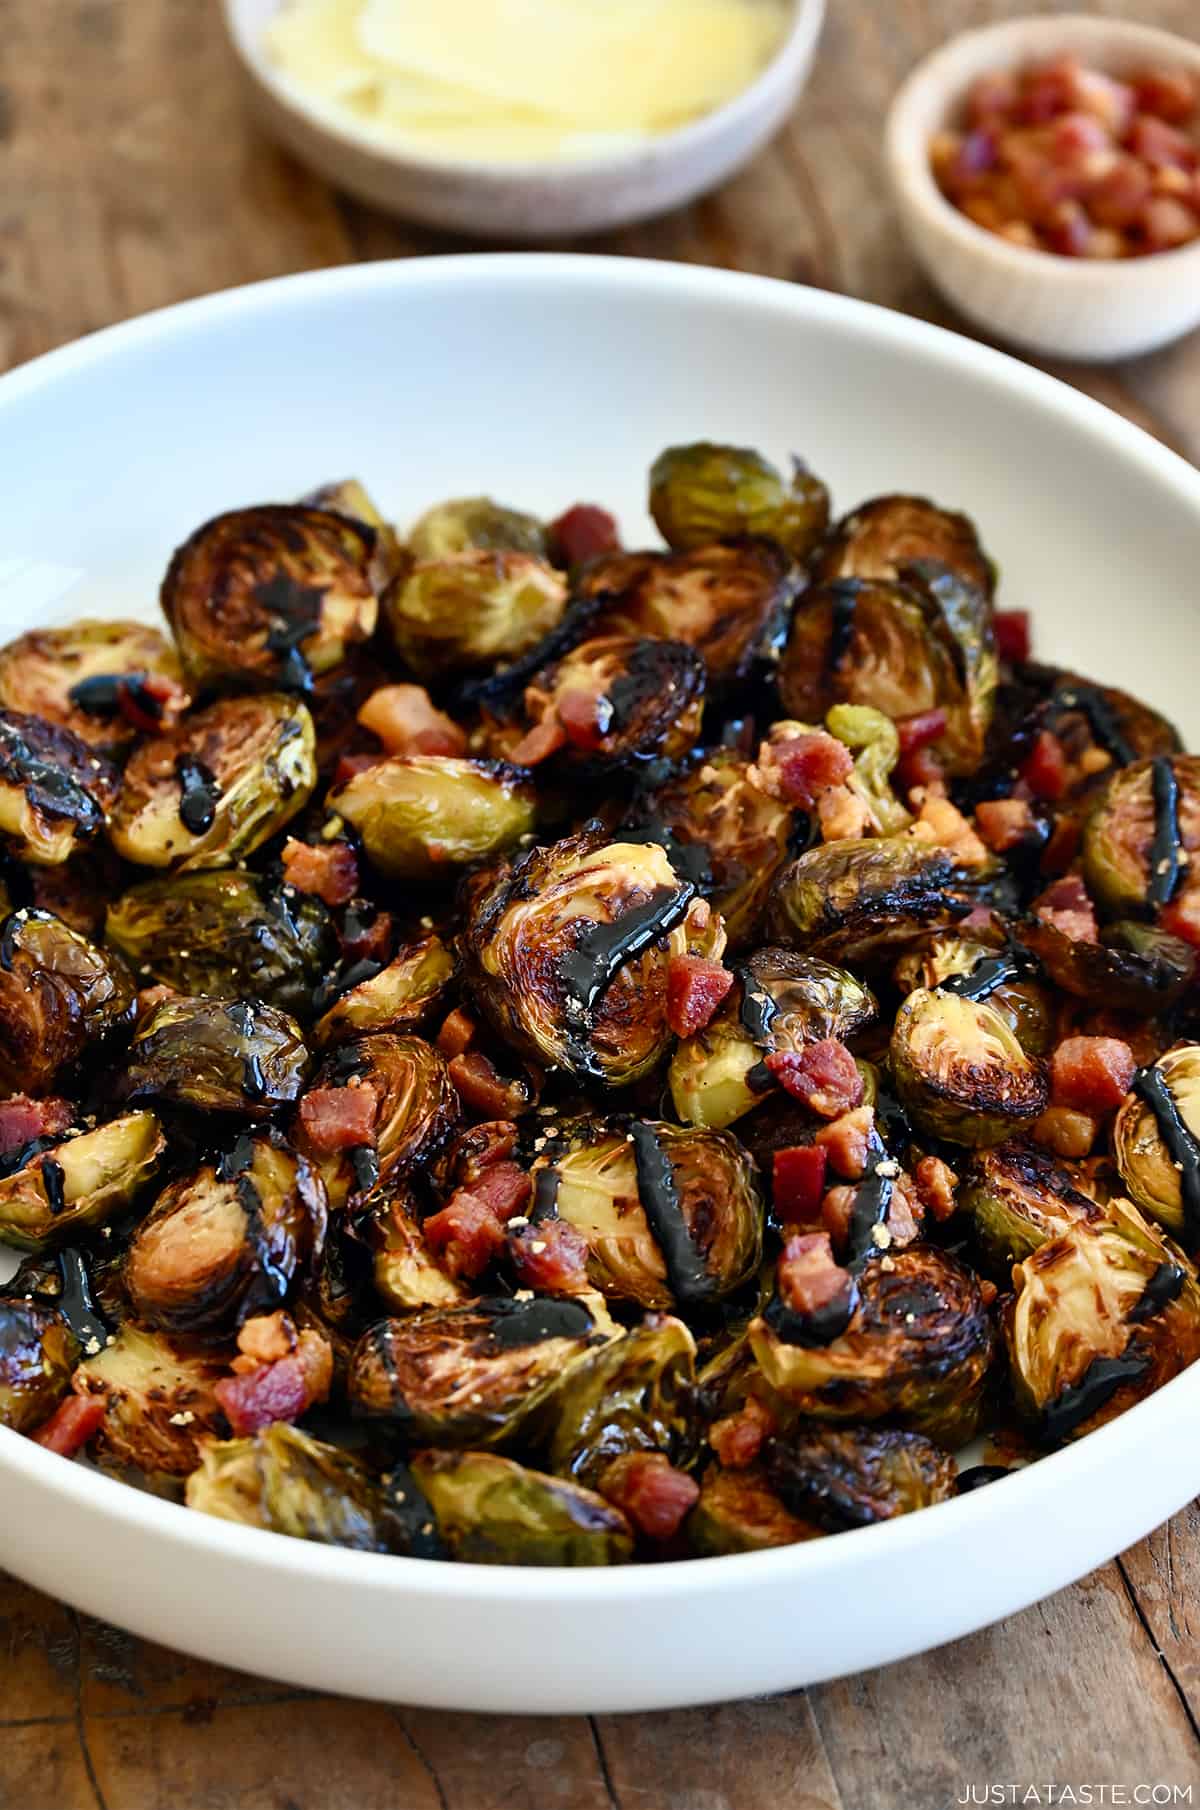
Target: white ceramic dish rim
{"x":1094,"y":1459}
{"x":336,"y":122}
{"x":908,"y":149}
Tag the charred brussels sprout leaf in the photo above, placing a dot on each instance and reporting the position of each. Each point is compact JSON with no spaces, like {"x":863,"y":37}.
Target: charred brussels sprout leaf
{"x":916,"y":1352}
{"x":58,"y":992}
{"x":475,"y":524}
{"x":1153,"y":1139}
{"x":492,"y":1511}
{"x":407,"y":1277}
{"x":621,"y":701}
{"x":401,"y":997}
{"x":415,"y":1108}
{"x":217,"y":1055}
{"x":223,"y":936}
{"x":874,"y":740}
{"x":464,"y":611}
{"x":961,"y":1072}
{"x":738,"y":1511}
{"x":1132,"y":840}
{"x":741,"y":832}
{"x":855,"y":1476}
{"x":882,"y":536}
{"x":704,"y":493}
{"x":271,"y":595}
{"x":82,"y":1181}
{"x":1018,"y":1197}
{"x":37,"y":1355}
{"x":286,"y":1481}
{"x":218,"y":786}
{"x":476,"y":1374}
{"x":1134,"y":968}
{"x":75,"y":677}
{"x":636,"y":1394}
{"x":54,"y":791}
{"x":226,"y":1242}
{"x":851,"y":900}
{"x":158,"y":1398}
{"x":421,"y":815}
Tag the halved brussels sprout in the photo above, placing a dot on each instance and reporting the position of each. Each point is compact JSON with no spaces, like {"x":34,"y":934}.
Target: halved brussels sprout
{"x":916,"y":1352}
{"x":474,"y":1375}
{"x":216,"y":788}
{"x":717,"y":1076}
{"x":1144,"y":821}
{"x":670,"y":1213}
{"x":1103,"y":1315}
{"x":407,"y":1276}
{"x":226,"y":1242}
{"x":288,"y":1482}
{"x":416,"y":1109}
{"x":1155,"y":1145}
{"x":1084,"y":715}
{"x":621,"y":700}
{"x":741,"y":832}
{"x":1002,"y":977}
{"x":38,"y":1352}
{"x":1134,"y":967}
{"x":1018,"y":1197}
{"x":348,"y":497}
{"x":158,"y":1398}
{"x":463,"y":611}
{"x":855,"y":1476}
{"x":421,"y":815}
{"x":854,"y":899}
{"x":73,"y":676}
{"x":475,"y":523}
{"x":960,"y":1071}
{"x":568,"y":950}
{"x":225,"y":936}
{"x":55,"y":792}
{"x":217,"y":1055}
{"x":728,"y":601}
{"x":85,"y":1180}
{"x":492,"y":1511}
{"x":704,"y":493}
{"x":57,"y":993}
{"x":966,"y":611}
{"x":271,"y":595}
{"x":881,"y":536}
{"x":401,"y":997}
{"x":636,"y":1394}
{"x":738,"y":1511}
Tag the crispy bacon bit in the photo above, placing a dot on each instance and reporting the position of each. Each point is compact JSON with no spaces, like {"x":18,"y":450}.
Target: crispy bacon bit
{"x":350,"y":765}
{"x":22,"y":1120}
{"x":1068,"y":908}
{"x":842,"y":814}
{"x":539,"y":743}
{"x":585,"y":717}
{"x":550,"y":1257}
{"x":482,"y":1090}
{"x":1004,"y":823}
{"x":823,"y":1075}
{"x":481,"y":1148}
{"x":1091,"y":1074}
{"x":264,"y":1339}
{"x":906,"y":1211}
{"x":584,"y":532}
{"x":807,"y":1276}
{"x":406,"y":720}
{"x":1182,"y":917}
{"x":836,"y":1208}
{"x":1012,"y":635}
{"x":797,"y":1182}
{"x":918,"y":731}
{"x":848,"y":1141}
{"x":283,"y":1387}
{"x":457,"y":1033}
{"x":695,"y":988}
{"x":943,"y":824}
{"x":797,"y":768}
{"x":1067,"y":1133}
{"x":1045,"y":768}
{"x":366,"y":937}
{"x":921,"y":771}
{"x":73,"y":1423}
{"x":737,"y":1439}
{"x":152,"y":703}
{"x":936,"y":1182}
{"x":329,"y":869}
{"x":467,"y":1234}
{"x":338,"y":1118}
{"x":647,"y":1488}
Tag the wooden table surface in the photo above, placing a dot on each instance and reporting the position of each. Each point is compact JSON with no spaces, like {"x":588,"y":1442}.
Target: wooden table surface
{"x":129,"y":178}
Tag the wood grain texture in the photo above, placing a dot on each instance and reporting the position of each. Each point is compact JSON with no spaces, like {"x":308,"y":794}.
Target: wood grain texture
{"x":130,"y":178}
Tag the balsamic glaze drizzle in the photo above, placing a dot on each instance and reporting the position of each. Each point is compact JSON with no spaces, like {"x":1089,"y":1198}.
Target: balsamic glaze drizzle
{"x":75,"y":1302}
{"x":409,"y":1507}
{"x":1091,"y":702}
{"x":1150,"y":1086}
{"x":1163,"y":1287}
{"x":589,"y":969}
{"x":365,"y":1163}
{"x":52,"y":1181}
{"x":821,"y":1327}
{"x":686,"y":1272}
{"x":844,"y":602}
{"x":977,"y":1475}
{"x":100,"y":696}
{"x":49,"y":788}
{"x":1165,"y":847}
{"x":529,"y":1322}
{"x":990,"y":972}
{"x":545,"y":1195}
{"x":235,"y":1161}
{"x":872,"y":1202}
{"x":758,"y":1010}
{"x":1098,"y":1384}
{"x":199,"y":794}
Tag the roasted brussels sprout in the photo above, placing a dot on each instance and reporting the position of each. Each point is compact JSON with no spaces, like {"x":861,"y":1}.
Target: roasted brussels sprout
{"x":882,"y":536}
{"x":1002,"y":977}
{"x":1086,"y":717}
{"x":54,"y":791}
{"x":415,"y":1108}
{"x":85,"y":1180}
{"x":738,"y":1511}
{"x":464,"y":611}
{"x":270,"y":596}
{"x":76,"y":678}
{"x":348,"y":497}
{"x":670,"y":1214}
{"x":401,"y":997}
{"x":58,"y":992}
{"x":739,"y":831}
{"x":218,"y":786}
{"x":217,"y":1055}
{"x":635,"y":1394}
{"x":1018,"y":1197}
{"x":851,"y":900}
{"x":704,"y":493}
{"x":38,"y":1352}
{"x":475,"y":524}
{"x":1154,"y":1141}
{"x":1103,"y":1315}
{"x":916,"y":1352}
{"x":286,"y":1481}
{"x":568,"y":951}
{"x":1136,"y":838}
{"x":492,"y":1511}
{"x":158,"y":1397}
{"x":1134,"y":967}
{"x":225,"y":936}
{"x":855,"y":1476}
{"x":407,"y":1278}
{"x":961,"y":1072}
{"x":475,"y":1375}
{"x":226,"y":1242}
{"x":716,"y":1076}
{"x":620,"y":701}
{"x":421,"y":815}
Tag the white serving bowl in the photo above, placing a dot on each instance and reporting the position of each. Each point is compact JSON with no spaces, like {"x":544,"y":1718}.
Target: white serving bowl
{"x":545,"y":379}
{"x":1062,"y":307}
{"x":523,"y":200}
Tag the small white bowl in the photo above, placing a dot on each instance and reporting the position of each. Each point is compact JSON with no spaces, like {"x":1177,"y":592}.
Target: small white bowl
{"x":1064,"y":307}
{"x":523,"y":200}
